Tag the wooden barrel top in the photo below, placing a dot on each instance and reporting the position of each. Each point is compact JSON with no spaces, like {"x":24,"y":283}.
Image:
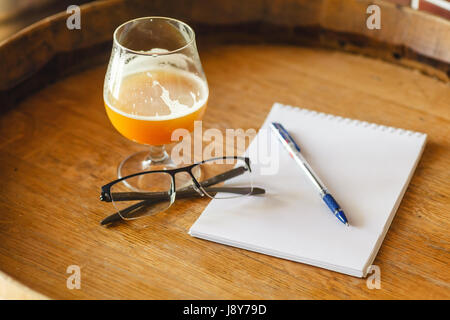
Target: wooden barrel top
{"x":57,"y":148}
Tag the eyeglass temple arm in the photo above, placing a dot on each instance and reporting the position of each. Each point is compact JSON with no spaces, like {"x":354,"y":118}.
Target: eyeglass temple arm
{"x":189,"y":194}
{"x":162,"y":196}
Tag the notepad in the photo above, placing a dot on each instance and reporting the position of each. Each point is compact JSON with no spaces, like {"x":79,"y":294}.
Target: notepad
{"x":367,"y":168}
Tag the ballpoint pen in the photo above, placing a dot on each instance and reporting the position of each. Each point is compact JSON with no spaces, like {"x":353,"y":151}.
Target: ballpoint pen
{"x":294,"y":150}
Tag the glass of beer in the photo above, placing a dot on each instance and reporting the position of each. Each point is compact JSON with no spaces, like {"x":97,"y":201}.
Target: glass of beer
{"x":154,"y":85}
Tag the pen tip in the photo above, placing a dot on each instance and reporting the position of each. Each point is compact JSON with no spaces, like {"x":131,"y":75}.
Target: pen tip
{"x":347,"y":224}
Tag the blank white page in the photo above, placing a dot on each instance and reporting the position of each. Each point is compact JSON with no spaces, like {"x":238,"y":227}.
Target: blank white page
{"x":366,"y":168}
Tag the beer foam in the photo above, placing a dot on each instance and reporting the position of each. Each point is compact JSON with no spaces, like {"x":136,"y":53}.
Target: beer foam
{"x":160,"y":64}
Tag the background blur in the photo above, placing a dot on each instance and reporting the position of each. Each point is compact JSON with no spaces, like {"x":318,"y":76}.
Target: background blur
{"x":17,"y":14}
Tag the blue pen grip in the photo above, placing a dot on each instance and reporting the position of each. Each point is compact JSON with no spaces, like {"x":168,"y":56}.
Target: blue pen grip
{"x":331,"y":203}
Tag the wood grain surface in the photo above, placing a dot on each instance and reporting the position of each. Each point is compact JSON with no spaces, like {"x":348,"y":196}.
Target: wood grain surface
{"x":57,"y":148}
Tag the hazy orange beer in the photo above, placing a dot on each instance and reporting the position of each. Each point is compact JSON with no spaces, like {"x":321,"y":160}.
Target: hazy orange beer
{"x":151,"y":104}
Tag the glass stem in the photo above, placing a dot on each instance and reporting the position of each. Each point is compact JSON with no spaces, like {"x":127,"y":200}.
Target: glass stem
{"x":157,"y":154}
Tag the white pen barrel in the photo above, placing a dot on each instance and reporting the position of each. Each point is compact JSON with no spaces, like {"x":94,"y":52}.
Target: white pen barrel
{"x":312,"y":176}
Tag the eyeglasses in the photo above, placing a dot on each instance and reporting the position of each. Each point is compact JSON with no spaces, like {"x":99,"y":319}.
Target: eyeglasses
{"x":155,"y":191}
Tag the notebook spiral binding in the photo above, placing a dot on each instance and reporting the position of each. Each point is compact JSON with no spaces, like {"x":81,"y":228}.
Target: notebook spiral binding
{"x":354,"y":122}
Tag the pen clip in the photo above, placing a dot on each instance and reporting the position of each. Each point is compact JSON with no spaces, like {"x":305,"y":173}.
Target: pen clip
{"x":285,"y":135}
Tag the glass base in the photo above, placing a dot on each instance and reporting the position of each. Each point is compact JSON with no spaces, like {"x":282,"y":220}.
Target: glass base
{"x":155,"y":159}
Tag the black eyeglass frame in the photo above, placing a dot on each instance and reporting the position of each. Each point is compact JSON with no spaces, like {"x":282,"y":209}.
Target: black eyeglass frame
{"x":106,"y":189}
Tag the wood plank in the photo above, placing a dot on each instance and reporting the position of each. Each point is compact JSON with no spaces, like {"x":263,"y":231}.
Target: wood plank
{"x":57,"y":148}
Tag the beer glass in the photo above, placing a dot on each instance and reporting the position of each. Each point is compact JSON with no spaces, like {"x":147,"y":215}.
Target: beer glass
{"x":154,"y":85}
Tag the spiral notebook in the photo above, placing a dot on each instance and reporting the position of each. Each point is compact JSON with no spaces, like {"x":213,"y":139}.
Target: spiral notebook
{"x":367,"y":167}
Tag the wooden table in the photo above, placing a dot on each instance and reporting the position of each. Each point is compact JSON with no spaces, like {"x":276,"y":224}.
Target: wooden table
{"x":57,"y":148}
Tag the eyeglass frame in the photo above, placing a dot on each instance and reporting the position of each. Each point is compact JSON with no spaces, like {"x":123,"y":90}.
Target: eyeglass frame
{"x":186,"y":192}
{"x":106,"y":189}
